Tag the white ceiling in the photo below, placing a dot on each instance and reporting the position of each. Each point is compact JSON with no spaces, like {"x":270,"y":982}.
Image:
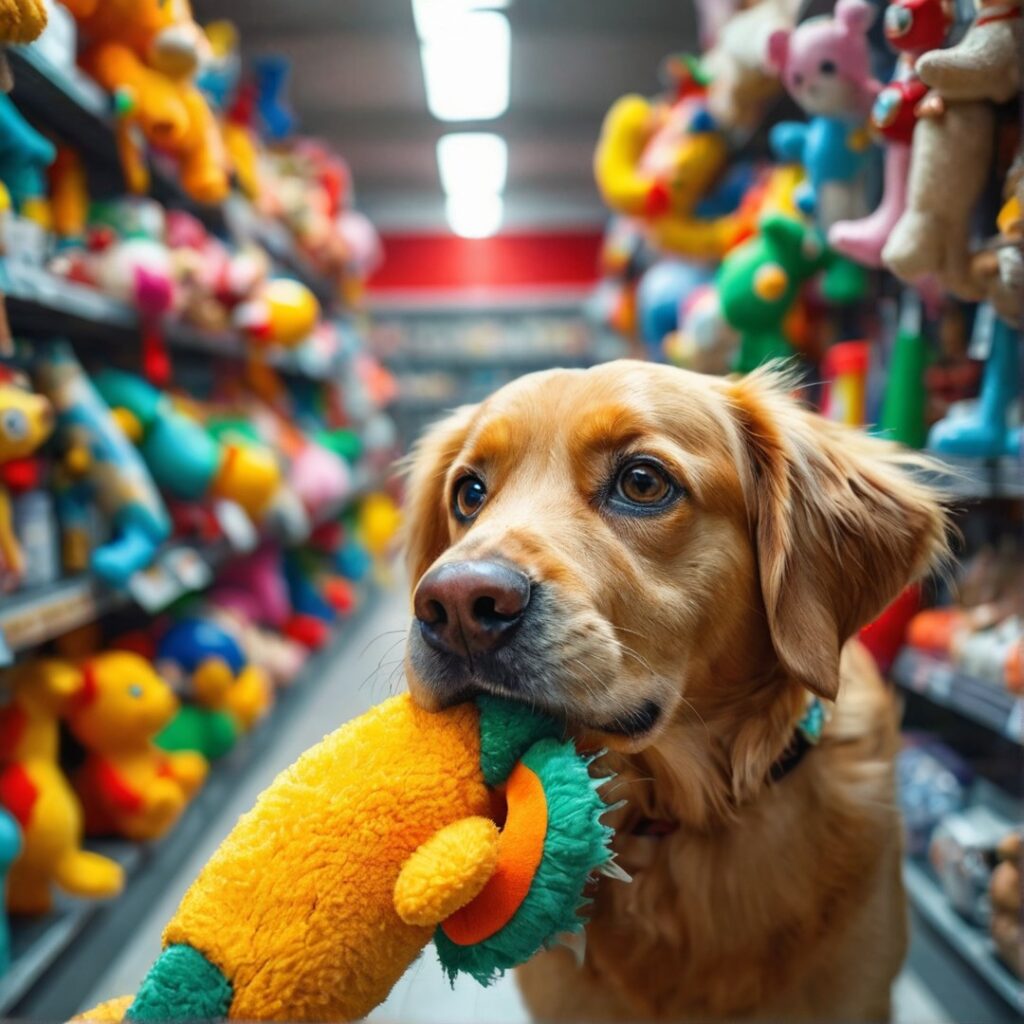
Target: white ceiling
{"x":357,"y":83}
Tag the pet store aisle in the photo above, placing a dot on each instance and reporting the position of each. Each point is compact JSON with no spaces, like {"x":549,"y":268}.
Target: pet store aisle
{"x":366,"y":670}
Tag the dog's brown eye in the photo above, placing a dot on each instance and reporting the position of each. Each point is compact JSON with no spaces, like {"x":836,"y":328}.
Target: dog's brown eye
{"x":470,"y":494}
{"x":644,"y":484}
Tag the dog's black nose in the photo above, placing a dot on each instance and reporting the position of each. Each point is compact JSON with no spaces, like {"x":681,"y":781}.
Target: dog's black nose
{"x":466,"y":608}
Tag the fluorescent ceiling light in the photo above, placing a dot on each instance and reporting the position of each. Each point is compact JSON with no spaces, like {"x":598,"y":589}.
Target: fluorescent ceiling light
{"x":474,"y":215}
{"x":431,"y":16}
{"x":472,"y":162}
{"x":466,"y":67}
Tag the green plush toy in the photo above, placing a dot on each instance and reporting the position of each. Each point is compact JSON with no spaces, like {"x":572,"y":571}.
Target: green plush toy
{"x":759,"y":281}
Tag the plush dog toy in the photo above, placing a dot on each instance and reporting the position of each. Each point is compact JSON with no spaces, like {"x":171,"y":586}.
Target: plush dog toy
{"x":128,"y":787}
{"x":912,"y":28}
{"x":147,"y":52}
{"x":376,"y":840}
{"x":35,"y":791}
{"x":825,"y":66}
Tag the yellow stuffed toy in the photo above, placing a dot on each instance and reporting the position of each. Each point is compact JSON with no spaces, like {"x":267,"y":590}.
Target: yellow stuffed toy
{"x":147,"y":52}
{"x":382,"y":836}
{"x":127,"y":785}
{"x":21,"y":21}
{"x":655,"y":161}
{"x":35,"y":791}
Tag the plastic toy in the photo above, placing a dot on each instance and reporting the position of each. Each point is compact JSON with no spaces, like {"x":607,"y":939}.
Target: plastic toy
{"x":656,"y":161}
{"x":203,"y":661}
{"x":374,"y":841}
{"x":33,"y":788}
{"x":759,"y":281}
{"x":147,"y":52}
{"x":129,"y":787}
{"x":903,"y":404}
{"x":980,"y":428}
{"x":985,"y":64}
{"x":845,"y":367}
{"x":186,"y":461}
{"x":10,"y":847}
{"x":99,"y":464}
{"x":912,"y":28}
{"x":825,"y":66}
{"x":26,"y":421}
{"x":24,"y":158}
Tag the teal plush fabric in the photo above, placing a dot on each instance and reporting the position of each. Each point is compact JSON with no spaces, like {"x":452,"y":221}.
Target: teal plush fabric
{"x":507,"y":731}
{"x":182,"y":985}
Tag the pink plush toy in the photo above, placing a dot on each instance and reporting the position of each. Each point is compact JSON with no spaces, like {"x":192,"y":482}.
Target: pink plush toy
{"x":912,"y":28}
{"x":825,"y":65}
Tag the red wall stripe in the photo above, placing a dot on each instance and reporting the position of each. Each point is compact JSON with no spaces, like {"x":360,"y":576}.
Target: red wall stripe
{"x":513,"y":261}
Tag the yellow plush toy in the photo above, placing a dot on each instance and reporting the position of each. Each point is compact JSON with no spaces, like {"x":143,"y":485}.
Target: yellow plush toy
{"x":147,"y":52}
{"x":655,"y":161}
{"x":35,"y":791}
{"x":128,"y":786}
{"x":382,"y":836}
{"x":21,"y":21}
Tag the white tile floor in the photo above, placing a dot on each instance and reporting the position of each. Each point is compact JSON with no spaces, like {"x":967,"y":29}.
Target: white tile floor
{"x":368,"y":672}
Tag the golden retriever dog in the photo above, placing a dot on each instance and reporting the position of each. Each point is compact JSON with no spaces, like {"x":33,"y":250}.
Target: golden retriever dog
{"x":675,"y":564}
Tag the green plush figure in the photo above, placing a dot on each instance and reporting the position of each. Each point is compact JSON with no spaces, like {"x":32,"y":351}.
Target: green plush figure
{"x":759,"y":281}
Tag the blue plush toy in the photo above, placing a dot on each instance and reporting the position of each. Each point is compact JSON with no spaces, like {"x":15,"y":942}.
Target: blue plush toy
{"x":24,"y":157}
{"x":825,"y":65}
{"x":662,"y":290}
{"x":10,"y":847}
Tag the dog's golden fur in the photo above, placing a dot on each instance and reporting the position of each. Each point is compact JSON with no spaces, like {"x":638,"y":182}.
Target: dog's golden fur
{"x":770,"y":900}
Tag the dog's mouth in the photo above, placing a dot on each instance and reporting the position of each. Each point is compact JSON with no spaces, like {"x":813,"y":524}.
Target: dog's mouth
{"x":531,"y":669}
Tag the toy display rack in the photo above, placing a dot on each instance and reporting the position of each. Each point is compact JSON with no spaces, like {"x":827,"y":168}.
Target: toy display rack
{"x":56,"y":956}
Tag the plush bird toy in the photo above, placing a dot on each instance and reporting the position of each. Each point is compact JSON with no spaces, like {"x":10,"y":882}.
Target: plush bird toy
{"x":477,"y":826}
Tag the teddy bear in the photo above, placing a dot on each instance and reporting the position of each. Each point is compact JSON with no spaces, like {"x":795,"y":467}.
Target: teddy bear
{"x":147,"y":53}
{"x":933,"y":235}
{"x":825,"y":65}
{"x":912,"y":28}
{"x":35,"y":791}
{"x":127,"y":785}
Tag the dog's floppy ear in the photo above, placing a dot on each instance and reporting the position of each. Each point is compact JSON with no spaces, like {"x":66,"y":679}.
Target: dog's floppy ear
{"x":839,"y":521}
{"x":426,"y":530}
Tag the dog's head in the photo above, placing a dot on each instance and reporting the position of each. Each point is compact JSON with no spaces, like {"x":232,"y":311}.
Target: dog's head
{"x":634,"y":544}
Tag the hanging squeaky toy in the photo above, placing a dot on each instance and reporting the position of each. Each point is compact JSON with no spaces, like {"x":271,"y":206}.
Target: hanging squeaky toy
{"x":825,"y":65}
{"x":912,"y":28}
{"x":376,"y":840}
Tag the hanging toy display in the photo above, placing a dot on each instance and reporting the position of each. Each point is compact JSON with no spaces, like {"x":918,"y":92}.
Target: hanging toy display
{"x":375,"y":841}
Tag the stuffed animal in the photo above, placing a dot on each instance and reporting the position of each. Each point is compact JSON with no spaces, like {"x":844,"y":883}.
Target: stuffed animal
{"x":912,"y":28}
{"x":759,"y":281}
{"x":34,"y":790}
{"x":375,"y":841}
{"x":128,"y":786}
{"x":825,"y":65}
{"x":186,"y":461}
{"x":24,"y":157}
{"x":985,"y":64}
{"x":10,"y":847}
{"x":656,"y":161}
{"x":21,"y":21}
{"x":933,"y":236}
{"x":147,"y":53}
{"x":203,"y":661}
{"x":999,"y":270}
{"x":26,"y":421}
{"x":99,"y":465}
{"x":282,"y":312}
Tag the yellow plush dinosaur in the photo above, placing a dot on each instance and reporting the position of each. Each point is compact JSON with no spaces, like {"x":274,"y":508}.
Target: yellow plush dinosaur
{"x":33,"y":788}
{"x":382,"y":836}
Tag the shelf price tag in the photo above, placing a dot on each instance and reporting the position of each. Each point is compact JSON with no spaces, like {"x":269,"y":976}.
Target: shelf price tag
{"x":173,"y":574}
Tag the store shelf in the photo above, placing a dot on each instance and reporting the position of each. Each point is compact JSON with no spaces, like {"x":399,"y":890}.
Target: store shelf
{"x":984,"y":703}
{"x":958,"y":955}
{"x":56,"y":957}
{"x":977,"y":479}
{"x":41,"y":302}
{"x":466,"y":362}
{"x":32,"y":617}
